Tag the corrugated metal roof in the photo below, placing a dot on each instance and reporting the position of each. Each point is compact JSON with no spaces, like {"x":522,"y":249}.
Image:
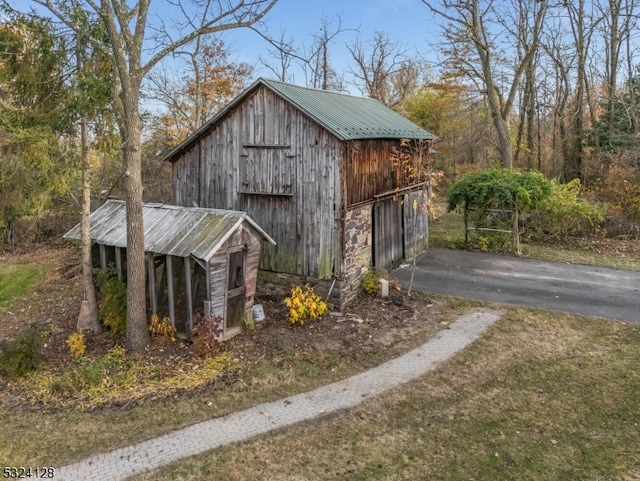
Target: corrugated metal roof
{"x":170,"y":230}
{"x":346,"y":116}
{"x":349,"y":117}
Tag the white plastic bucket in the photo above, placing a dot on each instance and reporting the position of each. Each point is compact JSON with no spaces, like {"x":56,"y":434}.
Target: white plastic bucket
{"x":258,"y":313}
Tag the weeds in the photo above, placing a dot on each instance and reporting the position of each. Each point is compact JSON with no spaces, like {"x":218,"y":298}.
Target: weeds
{"x":371,"y":281}
{"x":116,"y":378}
{"x":113,"y":300}
{"x":21,"y":355}
{"x":207,"y":334}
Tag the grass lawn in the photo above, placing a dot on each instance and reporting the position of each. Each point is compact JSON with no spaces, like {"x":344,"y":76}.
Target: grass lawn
{"x":16,"y":279}
{"x":541,"y":396}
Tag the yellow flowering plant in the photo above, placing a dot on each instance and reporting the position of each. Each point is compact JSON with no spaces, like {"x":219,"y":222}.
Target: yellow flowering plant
{"x":304,"y":304}
{"x":162,"y":328}
{"x":77,"y":345}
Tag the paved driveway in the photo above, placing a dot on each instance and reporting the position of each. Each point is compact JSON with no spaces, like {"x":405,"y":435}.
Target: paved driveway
{"x":593,"y":291}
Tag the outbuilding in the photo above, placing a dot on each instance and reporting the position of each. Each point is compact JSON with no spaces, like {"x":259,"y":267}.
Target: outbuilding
{"x":321,"y":171}
{"x":199,"y":261}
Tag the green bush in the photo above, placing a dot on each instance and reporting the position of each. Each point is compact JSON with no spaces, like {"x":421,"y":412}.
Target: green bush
{"x":113,"y":300}
{"x":371,"y":281}
{"x":565,"y":214}
{"x":21,"y":355}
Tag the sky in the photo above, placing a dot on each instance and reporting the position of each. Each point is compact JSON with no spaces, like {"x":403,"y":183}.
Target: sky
{"x":408,"y":22}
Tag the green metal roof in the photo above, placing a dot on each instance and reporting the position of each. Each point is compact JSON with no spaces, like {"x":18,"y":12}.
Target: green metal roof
{"x":349,"y":117}
{"x":346,"y":116}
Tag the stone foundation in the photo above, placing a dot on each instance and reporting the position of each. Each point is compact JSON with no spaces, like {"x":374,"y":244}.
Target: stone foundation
{"x":357,"y":249}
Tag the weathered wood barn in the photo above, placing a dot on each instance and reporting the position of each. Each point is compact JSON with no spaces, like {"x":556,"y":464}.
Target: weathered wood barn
{"x":198,"y":260}
{"x":315,"y":169}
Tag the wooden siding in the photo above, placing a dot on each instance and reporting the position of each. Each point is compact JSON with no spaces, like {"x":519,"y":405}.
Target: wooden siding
{"x":238,"y":165}
{"x":252,"y":262}
{"x":388,"y":233}
{"x":243,"y":239}
{"x":369,"y":170}
{"x":218,"y":273}
{"x":416,"y":224}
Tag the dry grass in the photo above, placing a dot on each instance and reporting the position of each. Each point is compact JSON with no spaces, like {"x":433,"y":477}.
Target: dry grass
{"x":274,"y":361}
{"x":540,"y":396}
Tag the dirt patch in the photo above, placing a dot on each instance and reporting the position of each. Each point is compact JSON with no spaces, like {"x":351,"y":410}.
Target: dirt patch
{"x":369,"y":331}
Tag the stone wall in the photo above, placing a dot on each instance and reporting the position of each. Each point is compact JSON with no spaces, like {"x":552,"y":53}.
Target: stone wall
{"x":358,"y":252}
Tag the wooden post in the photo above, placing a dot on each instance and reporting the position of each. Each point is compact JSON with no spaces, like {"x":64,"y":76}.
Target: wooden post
{"x":516,"y":230}
{"x":103,"y":256}
{"x":187,"y":283}
{"x":160,"y":288}
{"x":208,"y":276}
{"x":172,"y":307}
{"x":119,"y":262}
{"x":151,"y":268}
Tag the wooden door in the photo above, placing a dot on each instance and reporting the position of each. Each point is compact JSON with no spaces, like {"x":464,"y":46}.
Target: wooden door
{"x":388,"y":236}
{"x":235,"y":292}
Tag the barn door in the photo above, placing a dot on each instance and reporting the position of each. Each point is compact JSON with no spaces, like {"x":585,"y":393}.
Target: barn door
{"x":235,"y":292}
{"x":388,"y":238}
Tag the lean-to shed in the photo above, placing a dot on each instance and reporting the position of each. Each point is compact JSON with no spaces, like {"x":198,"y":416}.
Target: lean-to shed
{"x":199,"y":261}
{"x":317,"y":170}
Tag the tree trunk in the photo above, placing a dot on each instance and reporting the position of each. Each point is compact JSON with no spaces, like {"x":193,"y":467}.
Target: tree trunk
{"x":11,"y":234}
{"x":575,"y":151}
{"x":466,"y":224}
{"x":88,"y":316}
{"x":504,"y":138}
{"x":137,"y":337}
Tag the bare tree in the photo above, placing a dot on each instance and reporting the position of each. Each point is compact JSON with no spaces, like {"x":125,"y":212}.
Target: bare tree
{"x":376,"y":63}
{"x":632,"y":72}
{"x":581,"y":36}
{"x":314,"y":59}
{"x":317,"y":65}
{"x":476,"y":33}
{"x":283,"y":52}
{"x":208,"y":81}
{"x":138,"y":42}
{"x":619,"y":21}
